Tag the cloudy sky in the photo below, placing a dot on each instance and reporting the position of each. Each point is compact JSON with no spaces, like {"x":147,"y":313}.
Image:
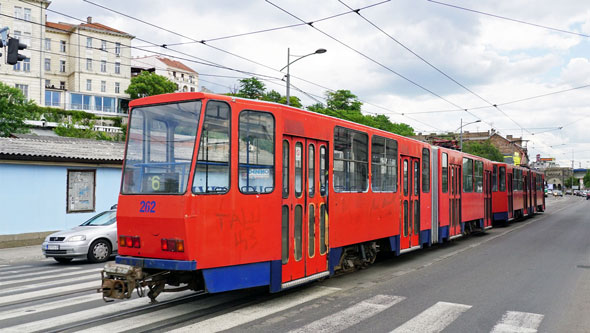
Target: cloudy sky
{"x":419,"y":62}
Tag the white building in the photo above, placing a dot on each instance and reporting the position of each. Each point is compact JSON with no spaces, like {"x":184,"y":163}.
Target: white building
{"x":83,"y":66}
{"x":186,"y":78}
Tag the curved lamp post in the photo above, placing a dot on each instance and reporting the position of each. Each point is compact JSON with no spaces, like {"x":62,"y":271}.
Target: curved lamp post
{"x":289,"y":62}
{"x":461,"y":136}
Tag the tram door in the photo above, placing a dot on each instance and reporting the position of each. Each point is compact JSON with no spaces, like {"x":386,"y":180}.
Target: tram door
{"x":487,"y":197}
{"x":410,"y":204}
{"x":510,"y":196}
{"x":304,"y":209}
{"x":455,"y":201}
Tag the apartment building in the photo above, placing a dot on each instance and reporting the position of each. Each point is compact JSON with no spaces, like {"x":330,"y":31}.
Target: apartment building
{"x":186,"y":78}
{"x":84,"y":66}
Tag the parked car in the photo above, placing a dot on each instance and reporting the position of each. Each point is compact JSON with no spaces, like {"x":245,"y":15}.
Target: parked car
{"x":568,"y":192}
{"x":557,"y":193}
{"x":95,"y":240}
{"x":588,"y":195}
{"x":548,"y":192}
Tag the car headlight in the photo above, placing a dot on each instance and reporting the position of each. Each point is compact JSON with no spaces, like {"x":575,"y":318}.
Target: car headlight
{"x":76,"y":238}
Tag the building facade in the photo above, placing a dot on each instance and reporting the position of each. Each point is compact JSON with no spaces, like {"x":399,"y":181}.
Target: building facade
{"x":83,"y":66}
{"x":186,"y":79}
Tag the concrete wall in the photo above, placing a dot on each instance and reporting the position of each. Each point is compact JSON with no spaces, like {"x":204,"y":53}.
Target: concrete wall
{"x":33,"y":197}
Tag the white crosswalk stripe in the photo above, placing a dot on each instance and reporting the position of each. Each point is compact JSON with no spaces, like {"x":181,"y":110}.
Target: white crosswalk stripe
{"x":518,"y":322}
{"x":19,"y":275}
{"x":108,"y":309}
{"x":51,"y":283}
{"x":250,"y":313}
{"x":48,"y":292}
{"x":352,"y":315}
{"x":38,"y":308}
{"x":50,"y":276}
{"x":434,"y":319}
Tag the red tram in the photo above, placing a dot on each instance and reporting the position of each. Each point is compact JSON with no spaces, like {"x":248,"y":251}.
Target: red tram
{"x":221,"y":193}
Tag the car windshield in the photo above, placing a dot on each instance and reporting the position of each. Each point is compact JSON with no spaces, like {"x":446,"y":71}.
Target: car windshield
{"x":105,"y":218}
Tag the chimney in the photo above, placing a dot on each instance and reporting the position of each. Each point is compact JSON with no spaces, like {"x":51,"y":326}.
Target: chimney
{"x":89,"y":19}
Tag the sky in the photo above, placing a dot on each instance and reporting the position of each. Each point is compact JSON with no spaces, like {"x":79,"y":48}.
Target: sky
{"x":429,"y":64}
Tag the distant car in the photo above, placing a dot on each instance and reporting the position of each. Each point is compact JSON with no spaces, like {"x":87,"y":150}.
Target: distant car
{"x":557,"y":193}
{"x":568,"y":192}
{"x":95,"y":240}
{"x":588,"y":195}
{"x":548,"y":192}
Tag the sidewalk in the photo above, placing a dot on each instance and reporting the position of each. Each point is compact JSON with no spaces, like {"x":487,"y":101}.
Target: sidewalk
{"x":20,"y":254}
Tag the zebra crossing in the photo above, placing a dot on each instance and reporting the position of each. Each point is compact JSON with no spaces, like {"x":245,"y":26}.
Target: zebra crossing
{"x":70,"y":301}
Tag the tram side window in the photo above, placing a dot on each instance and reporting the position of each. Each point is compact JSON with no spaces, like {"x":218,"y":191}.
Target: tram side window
{"x":467,"y":175}
{"x":445,"y":172}
{"x":323,"y":171}
{"x":478,"y":176}
{"x":351,"y":153}
{"x":212,"y":173}
{"x":256,"y":150}
{"x":383,"y":164}
{"x":502,"y":178}
{"x":495,"y":179}
{"x":425,"y":170}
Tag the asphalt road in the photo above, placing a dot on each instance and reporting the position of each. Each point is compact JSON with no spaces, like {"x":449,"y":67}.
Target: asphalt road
{"x":531,"y":275}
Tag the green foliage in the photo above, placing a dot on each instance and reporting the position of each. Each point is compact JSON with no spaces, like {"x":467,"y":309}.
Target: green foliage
{"x":587,"y":179}
{"x":149,"y":84}
{"x":345,"y":105}
{"x":251,"y":88}
{"x":484,"y":149}
{"x":14,"y":109}
{"x":571,"y":181}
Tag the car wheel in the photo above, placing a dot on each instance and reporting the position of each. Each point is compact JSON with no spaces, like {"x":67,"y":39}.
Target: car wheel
{"x":99,"y":251}
{"x":63,"y":260}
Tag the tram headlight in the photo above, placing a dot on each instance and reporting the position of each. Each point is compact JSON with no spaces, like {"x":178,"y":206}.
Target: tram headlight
{"x":76,"y":238}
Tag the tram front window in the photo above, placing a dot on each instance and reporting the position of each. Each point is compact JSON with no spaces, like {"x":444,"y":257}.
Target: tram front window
{"x":160,"y":145}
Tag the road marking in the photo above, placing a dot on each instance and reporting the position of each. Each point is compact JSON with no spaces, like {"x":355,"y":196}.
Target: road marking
{"x":37,"y":308}
{"x":434,"y":319}
{"x":50,"y":283}
{"x":160,"y":315}
{"x":46,"y":292}
{"x":518,"y":322}
{"x":16,"y":274}
{"x":18,"y":280}
{"x":352,"y":315}
{"x":250,"y":313}
{"x":73,"y":317}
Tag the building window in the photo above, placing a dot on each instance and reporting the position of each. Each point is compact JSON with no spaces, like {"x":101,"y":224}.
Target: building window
{"x":47,"y":83}
{"x":103,"y":86}
{"x":23,"y":88}
{"x":81,"y":187}
{"x":212,"y":172}
{"x":18,"y":12}
{"x":47,"y":64}
{"x":27,"y":65}
{"x":103,"y":45}
{"x":88,"y":42}
{"x":174,"y":74}
{"x":80,"y":102}
{"x":88,"y":64}
{"x":16,"y":66}
{"x":383,"y":164}
{"x":118,"y":49}
{"x":117,"y":87}
{"x":256,"y":152}
{"x":62,"y":46}
{"x":62,"y":85}
{"x":62,"y":66}
{"x":103,"y":66}
{"x":117,"y":68}
{"x":47,"y":44}
{"x":351,"y":169}
{"x":190,"y":79}
{"x":27,"y":14}
{"x":89,"y":85}
{"x":192,"y":89}
{"x":52,"y":98}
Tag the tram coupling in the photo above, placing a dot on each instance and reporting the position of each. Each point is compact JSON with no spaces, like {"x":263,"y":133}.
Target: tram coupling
{"x":119,"y":281}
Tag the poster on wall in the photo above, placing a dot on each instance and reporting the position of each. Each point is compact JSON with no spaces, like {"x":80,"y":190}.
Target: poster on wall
{"x":81,"y":185}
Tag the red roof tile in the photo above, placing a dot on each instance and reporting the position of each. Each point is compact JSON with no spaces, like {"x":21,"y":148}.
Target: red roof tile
{"x":176,"y":64}
{"x":59,"y":26}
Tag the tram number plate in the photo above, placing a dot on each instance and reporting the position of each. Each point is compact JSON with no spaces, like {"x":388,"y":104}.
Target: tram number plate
{"x":53,"y":247}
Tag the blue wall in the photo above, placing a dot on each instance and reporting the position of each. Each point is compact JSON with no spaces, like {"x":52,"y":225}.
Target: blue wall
{"x":33,"y":197}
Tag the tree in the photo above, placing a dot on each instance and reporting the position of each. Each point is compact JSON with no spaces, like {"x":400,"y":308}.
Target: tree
{"x":343,"y":100}
{"x":571,"y":181}
{"x":484,"y":149}
{"x":587,"y":179}
{"x":251,"y":88}
{"x":14,"y":109}
{"x":149,"y":84}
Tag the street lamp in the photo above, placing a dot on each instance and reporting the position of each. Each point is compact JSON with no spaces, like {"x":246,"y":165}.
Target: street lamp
{"x":461,"y":136}
{"x":289,"y":62}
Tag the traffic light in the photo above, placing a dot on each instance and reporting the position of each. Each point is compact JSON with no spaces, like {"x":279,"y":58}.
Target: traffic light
{"x":13,"y":47}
